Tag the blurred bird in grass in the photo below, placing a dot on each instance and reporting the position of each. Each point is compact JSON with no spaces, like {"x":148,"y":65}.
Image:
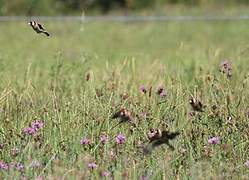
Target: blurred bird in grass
{"x":196,"y":104}
{"x":158,"y":138}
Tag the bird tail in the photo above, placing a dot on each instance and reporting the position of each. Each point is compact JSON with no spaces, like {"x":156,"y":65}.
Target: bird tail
{"x":45,"y":32}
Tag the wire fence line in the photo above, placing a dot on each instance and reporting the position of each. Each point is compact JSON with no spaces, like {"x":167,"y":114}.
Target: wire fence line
{"x":123,"y":18}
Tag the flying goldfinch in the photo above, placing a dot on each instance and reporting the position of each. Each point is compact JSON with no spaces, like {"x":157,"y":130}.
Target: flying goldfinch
{"x":123,"y":115}
{"x":158,"y":138}
{"x":38,"y":27}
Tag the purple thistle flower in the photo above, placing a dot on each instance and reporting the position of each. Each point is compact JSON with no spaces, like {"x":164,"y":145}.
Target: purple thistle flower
{"x":29,"y":131}
{"x":161,"y":92}
{"x":84,"y":141}
{"x":247,"y":163}
{"x":142,"y":89}
{"x":37,"y":125}
{"x":3,"y":166}
{"x":103,"y":139}
{"x":120,"y":139}
{"x":105,"y":173}
{"x":214,"y":140}
{"x":92,"y":165}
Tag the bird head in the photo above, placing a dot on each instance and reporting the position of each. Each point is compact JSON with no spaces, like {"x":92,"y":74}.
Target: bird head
{"x":192,"y":101}
{"x":30,"y":23}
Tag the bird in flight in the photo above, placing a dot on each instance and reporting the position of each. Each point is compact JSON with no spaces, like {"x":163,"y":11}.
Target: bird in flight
{"x":123,"y":115}
{"x":38,"y":27}
{"x":157,"y":138}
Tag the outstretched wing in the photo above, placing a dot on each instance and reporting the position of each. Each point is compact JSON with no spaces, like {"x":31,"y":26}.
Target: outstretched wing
{"x":40,"y":26}
{"x":172,"y":135}
{"x":115,"y":115}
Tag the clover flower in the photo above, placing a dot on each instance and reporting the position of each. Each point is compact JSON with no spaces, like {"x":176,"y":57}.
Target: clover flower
{"x":92,"y":166}
{"x":214,"y":140}
{"x":29,"y":131}
{"x":120,"y":139}
{"x":3,"y":166}
{"x":37,"y":125}
{"x":85,"y":141}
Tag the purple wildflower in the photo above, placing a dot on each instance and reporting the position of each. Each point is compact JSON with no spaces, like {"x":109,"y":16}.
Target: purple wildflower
{"x":247,"y":163}
{"x":92,"y":165}
{"x":120,"y":139}
{"x":29,"y":131}
{"x":161,"y":92}
{"x":226,"y":68}
{"x":103,"y":139}
{"x":84,"y":141}
{"x":37,"y":125}
{"x":214,"y":140}
{"x":105,"y":173}
{"x":3,"y":166}
{"x":142,"y":89}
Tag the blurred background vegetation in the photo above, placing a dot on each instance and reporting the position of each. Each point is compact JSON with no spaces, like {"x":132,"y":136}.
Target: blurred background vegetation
{"x":76,"y":7}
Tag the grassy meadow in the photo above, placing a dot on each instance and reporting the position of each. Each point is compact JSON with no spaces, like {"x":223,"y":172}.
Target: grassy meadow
{"x":73,"y":81}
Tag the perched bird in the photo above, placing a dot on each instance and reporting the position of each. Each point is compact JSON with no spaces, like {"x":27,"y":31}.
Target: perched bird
{"x":196,"y":104}
{"x":158,"y":138}
{"x":38,"y":27}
